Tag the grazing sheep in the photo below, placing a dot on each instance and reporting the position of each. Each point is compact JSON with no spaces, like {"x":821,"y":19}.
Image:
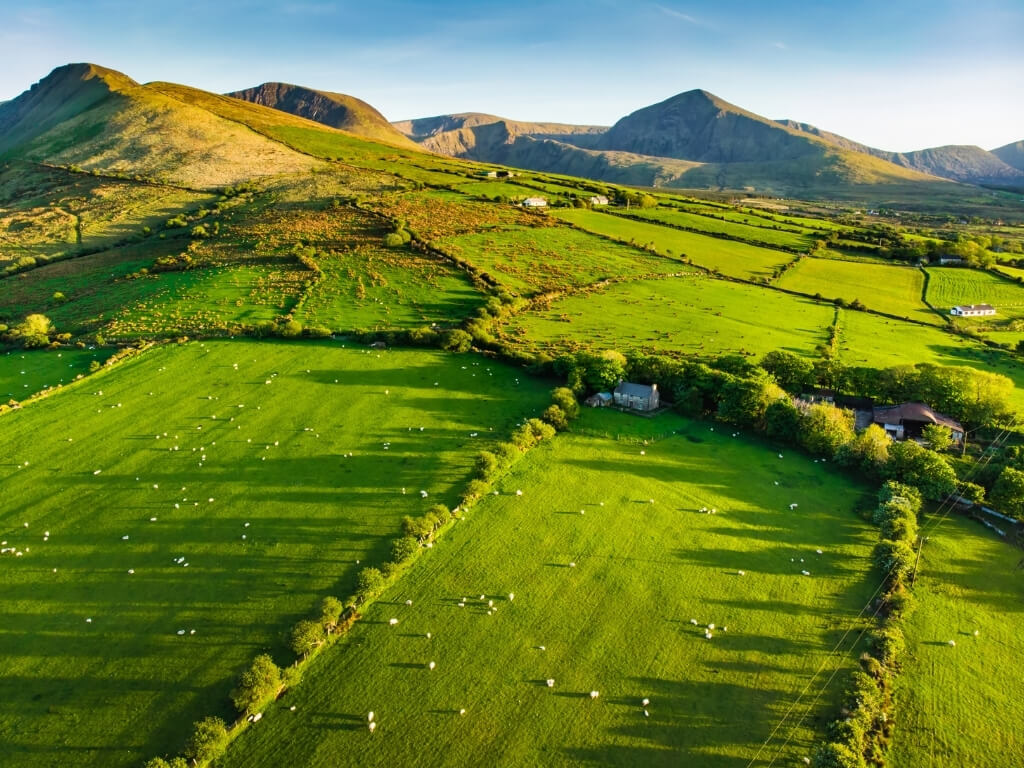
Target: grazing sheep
{"x":792,"y":506}
{"x":819,"y":552}
{"x":976,"y":633}
{"x":711,"y":626}
{"x":707,"y":635}
{"x":551,"y":682}
{"x":594,"y":694}
{"x":369,"y":717}
{"x":741,"y":573}
{"x":519,"y":493}
{"x":694,"y":622}
{"x":952,"y":643}
{"x":431,"y":665}
{"x":462,"y":711}
{"x":806,"y":573}
{"x":373,"y":725}
{"x":511,"y":596}
{"x":646,"y":713}
{"x":392,"y":622}
{"x":408,"y":602}
{"x":572,"y":565}
{"x":645,"y":702}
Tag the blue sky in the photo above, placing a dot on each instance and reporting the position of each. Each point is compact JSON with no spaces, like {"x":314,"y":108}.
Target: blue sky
{"x":897,"y":74}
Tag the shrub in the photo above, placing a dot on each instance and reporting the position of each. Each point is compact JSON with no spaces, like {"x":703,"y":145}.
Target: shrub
{"x":290,"y":330}
{"x":836,"y":755}
{"x":824,"y":429}
{"x":895,"y":559}
{"x":972,"y":492}
{"x":888,"y":645}
{"x":59,"y":297}
{"x":208,"y":739}
{"x":456,"y":340}
{"x":1008,"y":493}
{"x":475,"y":489}
{"x":403,"y":549}
{"x":938,"y":437}
{"x":564,"y":398}
{"x":258,"y":683}
{"x":94,"y":365}
{"x":555,"y":416}
{"x":487,"y":465}
{"x":923,"y":469}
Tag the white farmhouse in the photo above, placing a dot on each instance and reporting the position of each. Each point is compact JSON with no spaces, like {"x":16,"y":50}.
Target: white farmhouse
{"x":973,"y":310}
{"x":535,"y":202}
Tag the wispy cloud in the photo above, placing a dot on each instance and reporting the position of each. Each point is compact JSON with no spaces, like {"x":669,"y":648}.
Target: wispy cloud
{"x":677,"y":14}
{"x":780,"y":46}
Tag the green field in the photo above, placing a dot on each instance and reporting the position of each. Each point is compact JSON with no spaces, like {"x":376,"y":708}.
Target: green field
{"x":870,"y":340}
{"x":891,"y":289}
{"x":618,"y":622}
{"x":949,"y":286}
{"x":24,"y":373}
{"x":750,"y":228}
{"x":542,"y":259}
{"x":267,"y":527}
{"x":729,"y":257}
{"x":963,"y":705}
{"x":372,"y":287}
{"x":691,"y":314}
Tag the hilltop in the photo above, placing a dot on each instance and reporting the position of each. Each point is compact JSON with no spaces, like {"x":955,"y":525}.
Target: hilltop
{"x":336,"y":110}
{"x":101,"y":120}
{"x":1011,"y":154}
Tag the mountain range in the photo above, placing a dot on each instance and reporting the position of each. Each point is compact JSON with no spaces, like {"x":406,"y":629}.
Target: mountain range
{"x":101,"y":120}
{"x":719,"y":144}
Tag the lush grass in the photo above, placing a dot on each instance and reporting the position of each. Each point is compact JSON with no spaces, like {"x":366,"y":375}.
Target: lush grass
{"x":690,"y":314}
{"x":618,"y":622}
{"x":731,"y":258}
{"x":24,"y":373}
{"x":963,"y":705}
{"x":750,"y":228}
{"x":949,"y":286}
{"x":891,"y":289}
{"x":869,"y":340}
{"x":373,"y":287}
{"x":542,"y":259}
{"x":114,"y":691}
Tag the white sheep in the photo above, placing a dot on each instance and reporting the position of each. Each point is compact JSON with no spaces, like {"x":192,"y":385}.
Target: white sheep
{"x":431,"y":665}
{"x":373,"y":725}
{"x":392,"y":622}
{"x":369,"y":717}
{"x":594,"y":694}
{"x":694,"y":622}
{"x":645,"y":702}
{"x":952,"y":643}
{"x":741,"y":573}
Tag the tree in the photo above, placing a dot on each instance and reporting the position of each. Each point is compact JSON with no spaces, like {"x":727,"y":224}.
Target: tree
{"x":404,"y":548}
{"x":927,"y":471}
{"x":368,"y":583}
{"x":1008,"y":493}
{"x":836,"y":755}
{"x":782,"y":421}
{"x":824,"y":429}
{"x":564,"y":398}
{"x":306,"y":637}
{"x":258,"y":683}
{"x":869,"y":450}
{"x":938,"y":437}
{"x":330,"y":612}
{"x":487,"y":465}
{"x":744,"y":400}
{"x":208,"y":739}
{"x":794,"y":374}
{"x":33,"y":331}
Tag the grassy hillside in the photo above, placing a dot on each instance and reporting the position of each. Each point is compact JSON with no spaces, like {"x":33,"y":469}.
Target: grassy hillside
{"x":137,"y":131}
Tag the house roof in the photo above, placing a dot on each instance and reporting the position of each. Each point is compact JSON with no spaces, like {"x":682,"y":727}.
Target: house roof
{"x":896,"y":414}
{"x":975,"y":307}
{"x":633,"y":390}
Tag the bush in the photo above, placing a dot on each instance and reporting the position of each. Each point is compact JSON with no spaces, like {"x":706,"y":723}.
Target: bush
{"x":487,"y":466}
{"x":895,"y":559}
{"x":1008,"y":493}
{"x":306,"y":637}
{"x":564,"y":398}
{"x":475,"y":490}
{"x":927,"y":471}
{"x":836,"y":755}
{"x":456,"y":340}
{"x":258,"y":683}
{"x":888,"y":645}
{"x":94,"y":365}
{"x":555,"y":416}
{"x":403,"y":549}
{"x":208,"y":739}
{"x":824,"y":429}
{"x":369,"y":582}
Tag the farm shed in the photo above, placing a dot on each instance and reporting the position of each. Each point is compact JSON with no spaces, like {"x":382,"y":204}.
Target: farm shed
{"x":535,"y":202}
{"x":599,"y":200}
{"x":908,"y":419}
{"x":639,"y":397}
{"x":599,"y":400}
{"x":973,"y":310}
